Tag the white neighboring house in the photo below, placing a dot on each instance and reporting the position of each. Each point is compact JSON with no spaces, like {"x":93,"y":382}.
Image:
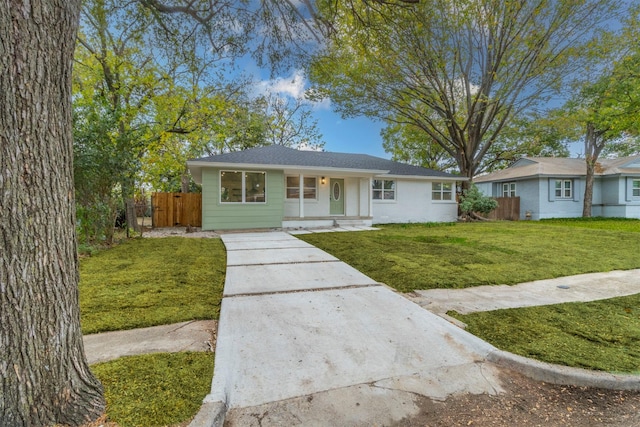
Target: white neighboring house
{"x":280,"y":187}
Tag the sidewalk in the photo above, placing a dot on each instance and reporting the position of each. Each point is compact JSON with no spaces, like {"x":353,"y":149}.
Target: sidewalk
{"x":580,"y":288}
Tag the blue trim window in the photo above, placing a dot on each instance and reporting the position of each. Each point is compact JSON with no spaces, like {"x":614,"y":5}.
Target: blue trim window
{"x":635,"y":188}
{"x":564,"y":189}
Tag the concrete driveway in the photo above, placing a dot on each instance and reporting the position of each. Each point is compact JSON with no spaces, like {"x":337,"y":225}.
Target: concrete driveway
{"x":305,"y":339}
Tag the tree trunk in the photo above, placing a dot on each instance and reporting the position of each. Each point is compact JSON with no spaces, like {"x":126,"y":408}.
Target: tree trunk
{"x":44,"y":376}
{"x":594,"y":142}
{"x":184,"y":181}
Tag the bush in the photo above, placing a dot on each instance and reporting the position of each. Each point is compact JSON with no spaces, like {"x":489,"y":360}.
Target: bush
{"x":472,"y":200}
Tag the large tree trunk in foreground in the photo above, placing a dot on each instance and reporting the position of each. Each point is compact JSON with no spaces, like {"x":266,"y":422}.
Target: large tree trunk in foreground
{"x":44,"y":376}
{"x":594,"y":143}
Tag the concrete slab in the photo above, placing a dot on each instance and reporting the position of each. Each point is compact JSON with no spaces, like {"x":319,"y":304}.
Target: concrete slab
{"x":277,"y":256}
{"x":580,"y":288}
{"x":281,"y":346}
{"x":185,"y":336}
{"x":255,"y":279}
{"x":257,"y":236}
{"x":238,"y":245}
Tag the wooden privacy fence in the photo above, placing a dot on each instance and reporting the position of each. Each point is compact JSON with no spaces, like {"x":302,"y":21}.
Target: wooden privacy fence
{"x":176,"y":209}
{"x":508,"y":209}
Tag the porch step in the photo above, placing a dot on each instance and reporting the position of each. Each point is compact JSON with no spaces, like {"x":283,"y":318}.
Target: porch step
{"x":352,"y":223}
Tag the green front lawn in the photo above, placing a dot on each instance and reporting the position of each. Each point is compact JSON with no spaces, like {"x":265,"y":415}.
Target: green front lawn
{"x":602,"y":335}
{"x":148,"y":282}
{"x":460,"y":255}
{"x":155,"y":389}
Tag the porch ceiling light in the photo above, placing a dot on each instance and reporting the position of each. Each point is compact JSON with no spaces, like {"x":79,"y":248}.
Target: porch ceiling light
{"x":322,"y":180}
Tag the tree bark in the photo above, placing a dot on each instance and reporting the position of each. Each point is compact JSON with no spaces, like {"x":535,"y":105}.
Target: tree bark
{"x":593,"y":145}
{"x":44,"y":376}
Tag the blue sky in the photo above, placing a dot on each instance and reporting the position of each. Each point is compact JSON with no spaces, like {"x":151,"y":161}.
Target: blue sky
{"x":352,"y":135}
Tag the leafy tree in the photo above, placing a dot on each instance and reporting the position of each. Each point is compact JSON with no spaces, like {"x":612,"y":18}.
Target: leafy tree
{"x":458,"y":71}
{"x":44,"y":376}
{"x":290,"y":123}
{"x":606,"y":108}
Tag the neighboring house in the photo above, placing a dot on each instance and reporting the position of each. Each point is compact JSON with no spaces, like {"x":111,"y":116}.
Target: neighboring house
{"x":553,"y":187}
{"x":276,"y":186}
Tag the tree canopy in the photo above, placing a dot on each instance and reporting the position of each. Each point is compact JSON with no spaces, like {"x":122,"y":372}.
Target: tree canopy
{"x":458,"y":71}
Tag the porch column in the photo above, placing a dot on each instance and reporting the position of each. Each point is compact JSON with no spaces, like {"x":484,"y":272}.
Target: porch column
{"x":371,"y":197}
{"x":301,"y":198}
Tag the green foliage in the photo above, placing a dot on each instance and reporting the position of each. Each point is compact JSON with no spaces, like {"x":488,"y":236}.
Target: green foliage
{"x":601,"y":335}
{"x":155,"y":389}
{"x":472,"y":200}
{"x":416,"y":256}
{"x":458,"y":77}
{"x":153,"y":281}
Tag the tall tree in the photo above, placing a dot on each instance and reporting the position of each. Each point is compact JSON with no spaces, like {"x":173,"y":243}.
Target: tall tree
{"x":606,"y":108}
{"x":290,"y":122}
{"x":457,"y":70}
{"x":44,"y":376}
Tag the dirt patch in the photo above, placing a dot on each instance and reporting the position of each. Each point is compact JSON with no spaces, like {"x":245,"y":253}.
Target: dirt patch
{"x":193,"y":232}
{"x":531,"y":403}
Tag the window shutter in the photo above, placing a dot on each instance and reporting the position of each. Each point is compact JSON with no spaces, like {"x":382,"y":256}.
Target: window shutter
{"x":577,"y":189}
{"x":552,"y":189}
{"x":629,"y":189}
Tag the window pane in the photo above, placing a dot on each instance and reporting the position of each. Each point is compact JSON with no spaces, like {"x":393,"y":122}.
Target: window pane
{"x":376,"y":184}
{"x":389,"y":185}
{"x":437,"y":186}
{"x":446,"y":186}
{"x":293,"y":193}
{"x":446,"y":195}
{"x":636,"y":188}
{"x":310,"y":188}
{"x":436,"y":195}
{"x":558,"y":184}
{"x":389,"y":195}
{"x":255,"y":187}
{"x":377,"y":194}
{"x":293,"y":181}
{"x":231,"y":187}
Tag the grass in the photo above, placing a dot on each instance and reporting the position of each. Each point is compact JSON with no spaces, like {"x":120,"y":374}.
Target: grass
{"x":155,"y":389}
{"x":460,"y":255}
{"x":628,"y":225}
{"x":600,"y":335}
{"x":148,"y":282}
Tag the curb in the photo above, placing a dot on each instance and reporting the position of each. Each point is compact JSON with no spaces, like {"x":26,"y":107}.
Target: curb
{"x":564,"y":375}
{"x":211,"y":414}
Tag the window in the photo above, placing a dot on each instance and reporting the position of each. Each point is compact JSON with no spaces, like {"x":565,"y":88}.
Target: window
{"x":383,"y":189}
{"x":243,"y":187}
{"x":509,"y":189}
{"x":442,"y":191}
{"x":564,"y":189}
{"x":310,"y":188}
{"x":635,"y":188}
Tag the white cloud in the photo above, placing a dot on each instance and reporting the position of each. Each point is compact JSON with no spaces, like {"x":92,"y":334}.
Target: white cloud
{"x":293,"y":86}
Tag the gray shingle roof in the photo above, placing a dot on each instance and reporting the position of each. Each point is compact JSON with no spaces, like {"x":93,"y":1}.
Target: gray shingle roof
{"x":562,"y":166}
{"x":279,"y":155}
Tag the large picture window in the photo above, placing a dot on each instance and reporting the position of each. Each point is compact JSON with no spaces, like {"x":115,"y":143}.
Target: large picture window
{"x":243,"y":187}
{"x":442,"y":191}
{"x":310,"y":187}
{"x":384,"y":189}
{"x":564,"y":189}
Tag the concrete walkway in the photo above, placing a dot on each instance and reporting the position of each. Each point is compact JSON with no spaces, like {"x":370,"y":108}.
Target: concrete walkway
{"x":295,"y":321}
{"x":305,"y":339}
{"x":185,"y":336}
{"x":580,"y":288}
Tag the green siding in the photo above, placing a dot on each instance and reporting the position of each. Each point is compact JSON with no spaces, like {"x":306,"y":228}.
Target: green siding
{"x":224,"y":216}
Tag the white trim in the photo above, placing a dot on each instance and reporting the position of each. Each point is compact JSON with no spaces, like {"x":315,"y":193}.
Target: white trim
{"x":244,"y":187}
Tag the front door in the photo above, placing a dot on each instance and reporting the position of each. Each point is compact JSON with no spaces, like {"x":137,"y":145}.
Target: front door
{"x":336,"y":204}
